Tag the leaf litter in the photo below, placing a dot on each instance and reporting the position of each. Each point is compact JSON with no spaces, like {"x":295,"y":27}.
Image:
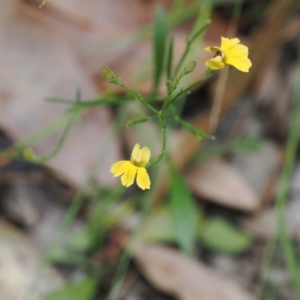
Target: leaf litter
{"x":56,"y":50}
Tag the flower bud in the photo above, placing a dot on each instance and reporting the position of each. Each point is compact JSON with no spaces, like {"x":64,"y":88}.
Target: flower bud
{"x":190,"y":67}
{"x":108,"y":74}
{"x":30,"y":155}
{"x":169,"y":83}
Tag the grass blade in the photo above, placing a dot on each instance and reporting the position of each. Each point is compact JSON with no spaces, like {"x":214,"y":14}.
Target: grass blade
{"x":184,"y":212}
{"x":170,"y":58}
{"x":284,"y":183}
{"x":159,"y":46}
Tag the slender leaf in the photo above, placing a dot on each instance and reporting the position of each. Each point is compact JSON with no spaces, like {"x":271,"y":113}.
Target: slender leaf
{"x":67,"y":257}
{"x":83,"y":290}
{"x":220,"y":235}
{"x":158,"y":227}
{"x":289,"y":251}
{"x":184,"y":212}
{"x":170,"y":58}
{"x":243,"y":144}
{"x":159,"y":43}
{"x":103,"y":216}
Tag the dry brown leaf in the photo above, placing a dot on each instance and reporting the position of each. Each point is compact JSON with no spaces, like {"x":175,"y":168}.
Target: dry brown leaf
{"x":218,"y":181}
{"x":19,"y":262}
{"x":260,"y":169}
{"x":185,"y":278}
{"x":36,"y":62}
{"x":105,"y":33}
{"x":262,"y":225}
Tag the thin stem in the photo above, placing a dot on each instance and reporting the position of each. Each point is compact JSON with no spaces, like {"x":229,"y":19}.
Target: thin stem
{"x":167,"y":102}
{"x":164,"y":143}
{"x":122,"y":267}
{"x":126,"y":256}
{"x":60,"y":100}
{"x":265,"y":265}
{"x":170,"y":58}
{"x":222,"y":78}
{"x":48,"y":130}
{"x":270,"y":292}
{"x":200,"y":135}
{"x":189,"y":43}
{"x":60,"y":142}
{"x":140,"y":98}
{"x":141,"y":120}
{"x":89,"y":103}
{"x":18,"y":148}
{"x":65,"y":223}
{"x":285,"y":179}
{"x":75,"y":206}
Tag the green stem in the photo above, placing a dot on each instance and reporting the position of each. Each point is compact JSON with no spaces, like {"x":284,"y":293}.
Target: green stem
{"x":189,"y":43}
{"x":267,"y":258}
{"x":141,"y":120}
{"x":170,"y":58}
{"x":48,"y":130}
{"x":164,"y":143}
{"x":65,"y":223}
{"x":90,"y":103}
{"x":140,"y":98}
{"x":284,"y":182}
{"x":200,"y":135}
{"x":36,"y":137}
{"x":75,"y":205}
{"x":126,"y":256}
{"x":60,"y":143}
{"x":168,"y":102}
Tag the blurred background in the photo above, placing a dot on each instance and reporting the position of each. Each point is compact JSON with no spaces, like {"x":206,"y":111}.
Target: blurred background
{"x":221,"y":220}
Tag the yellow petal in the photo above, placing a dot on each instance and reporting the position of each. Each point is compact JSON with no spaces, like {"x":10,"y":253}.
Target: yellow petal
{"x":146,"y":153}
{"x":136,"y":155}
{"x":142,"y":179}
{"x":242,"y":63}
{"x":237,"y":52}
{"x":119,"y":167}
{"x":238,"y":49}
{"x":215,"y":63}
{"x":127,"y":178}
{"x":212,"y":49}
{"x":227,"y":44}
{"x":135,"y":151}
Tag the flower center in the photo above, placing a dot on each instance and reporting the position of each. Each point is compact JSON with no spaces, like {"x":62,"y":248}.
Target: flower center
{"x":219,"y":53}
{"x":137,"y":160}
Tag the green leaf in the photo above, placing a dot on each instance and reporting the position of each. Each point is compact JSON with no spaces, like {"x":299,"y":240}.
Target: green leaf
{"x":104,"y":215}
{"x":170,"y":58}
{"x":243,"y":144}
{"x":160,"y":37}
{"x":220,"y":235}
{"x":200,"y":135}
{"x":158,"y":227}
{"x":66,"y":257}
{"x":82,"y":240}
{"x":184,"y":212}
{"x":83,"y":290}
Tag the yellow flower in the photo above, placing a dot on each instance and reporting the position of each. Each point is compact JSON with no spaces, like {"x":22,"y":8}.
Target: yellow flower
{"x":230,"y":53}
{"x":135,"y":167}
